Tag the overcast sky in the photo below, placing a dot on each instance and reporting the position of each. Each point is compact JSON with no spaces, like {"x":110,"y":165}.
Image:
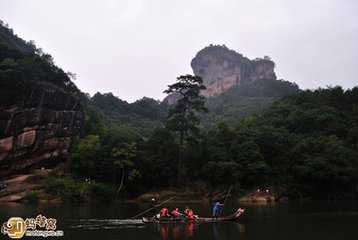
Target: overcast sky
{"x":135,"y":48}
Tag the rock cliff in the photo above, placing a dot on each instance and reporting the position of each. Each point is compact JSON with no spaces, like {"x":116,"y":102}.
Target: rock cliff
{"x":37,"y":125}
{"x":222,"y":68}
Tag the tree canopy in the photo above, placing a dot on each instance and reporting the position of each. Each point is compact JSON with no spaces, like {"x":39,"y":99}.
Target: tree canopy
{"x":182,"y":117}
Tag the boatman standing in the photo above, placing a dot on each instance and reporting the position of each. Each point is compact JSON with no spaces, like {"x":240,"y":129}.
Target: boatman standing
{"x":152,"y":205}
{"x":216,"y":209}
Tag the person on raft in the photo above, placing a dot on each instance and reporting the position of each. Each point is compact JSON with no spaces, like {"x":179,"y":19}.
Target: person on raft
{"x":175,"y":213}
{"x":186,"y":212}
{"x":216,"y":209}
{"x":164,"y":213}
{"x":191,"y":214}
{"x":152,"y":205}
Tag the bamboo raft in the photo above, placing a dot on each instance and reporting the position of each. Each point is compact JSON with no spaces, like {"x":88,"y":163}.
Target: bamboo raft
{"x":231,"y":217}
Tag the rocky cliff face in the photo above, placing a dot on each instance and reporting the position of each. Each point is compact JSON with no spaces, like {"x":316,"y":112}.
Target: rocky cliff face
{"x":37,"y":125}
{"x":221,"y":69}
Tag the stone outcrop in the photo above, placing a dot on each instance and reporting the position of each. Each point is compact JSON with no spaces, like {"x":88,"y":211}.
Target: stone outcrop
{"x":37,"y":125}
{"x":15,"y":188}
{"x":222,"y":68}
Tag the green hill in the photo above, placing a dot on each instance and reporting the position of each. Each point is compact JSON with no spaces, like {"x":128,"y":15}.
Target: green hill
{"x":140,"y":117}
{"x":23,"y":65}
{"x":251,"y":98}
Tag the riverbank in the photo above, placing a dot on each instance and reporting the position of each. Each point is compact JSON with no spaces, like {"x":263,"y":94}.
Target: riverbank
{"x":54,"y":185}
{"x":51,"y":185}
{"x":46,"y":186}
{"x":16,"y":188}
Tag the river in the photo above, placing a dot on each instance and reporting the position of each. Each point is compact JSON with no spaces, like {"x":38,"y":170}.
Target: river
{"x":276,"y":221}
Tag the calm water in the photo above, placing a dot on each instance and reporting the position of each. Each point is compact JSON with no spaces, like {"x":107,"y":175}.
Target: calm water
{"x":309,"y":220}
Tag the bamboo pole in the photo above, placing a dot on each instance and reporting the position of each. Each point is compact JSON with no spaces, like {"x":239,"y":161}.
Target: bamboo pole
{"x":225,"y":201}
{"x":152,"y":208}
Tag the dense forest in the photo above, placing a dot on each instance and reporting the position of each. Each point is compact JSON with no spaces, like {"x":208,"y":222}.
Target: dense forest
{"x":305,"y":143}
{"x":139,"y":118}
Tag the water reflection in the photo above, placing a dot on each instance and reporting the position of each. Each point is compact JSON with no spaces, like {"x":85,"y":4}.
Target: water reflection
{"x":164,"y":231}
{"x":190,"y":230}
{"x":105,"y":223}
{"x":228,"y":229}
{"x":176,"y":230}
{"x":216,"y":232}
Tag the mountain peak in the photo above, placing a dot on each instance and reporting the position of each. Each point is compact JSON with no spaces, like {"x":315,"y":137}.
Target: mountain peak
{"x":222,"y":68}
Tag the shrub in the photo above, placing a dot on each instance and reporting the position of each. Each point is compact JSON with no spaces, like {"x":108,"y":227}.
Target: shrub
{"x":63,"y":187}
{"x":69,"y":189}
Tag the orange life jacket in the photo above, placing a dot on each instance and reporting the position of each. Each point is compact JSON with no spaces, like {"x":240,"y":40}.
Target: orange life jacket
{"x":164,"y":212}
{"x":175,"y":212}
{"x":191,"y":214}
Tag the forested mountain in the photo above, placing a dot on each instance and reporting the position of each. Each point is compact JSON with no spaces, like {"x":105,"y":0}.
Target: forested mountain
{"x":235,"y":85}
{"x":309,"y":142}
{"x":144,"y":115}
{"x":22,"y":65}
{"x":255,"y":89}
{"x":40,"y":109}
{"x":140,"y":117}
{"x":251,"y":98}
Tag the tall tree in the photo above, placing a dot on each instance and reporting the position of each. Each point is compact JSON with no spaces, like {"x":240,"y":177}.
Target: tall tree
{"x":125,"y":159}
{"x":182,"y":117}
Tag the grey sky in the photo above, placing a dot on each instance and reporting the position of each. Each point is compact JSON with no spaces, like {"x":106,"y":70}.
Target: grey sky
{"x":135,"y":48}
